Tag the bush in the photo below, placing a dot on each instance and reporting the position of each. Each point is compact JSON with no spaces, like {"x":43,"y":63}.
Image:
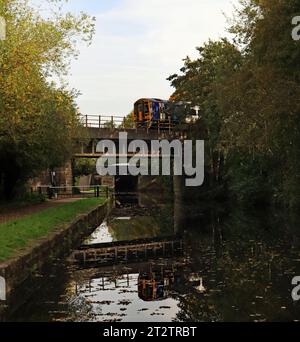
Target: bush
{"x":249,"y":181}
{"x":32,"y":198}
{"x":76,"y":191}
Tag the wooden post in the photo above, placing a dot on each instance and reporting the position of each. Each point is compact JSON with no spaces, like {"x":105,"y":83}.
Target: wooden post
{"x":112,"y":122}
{"x":99,"y":121}
{"x":49,"y":192}
{"x":86,"y":121}
{"x":98,"y":191}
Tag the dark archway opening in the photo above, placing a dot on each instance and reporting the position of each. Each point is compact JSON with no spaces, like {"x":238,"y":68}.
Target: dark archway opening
{"x":126,"y":184}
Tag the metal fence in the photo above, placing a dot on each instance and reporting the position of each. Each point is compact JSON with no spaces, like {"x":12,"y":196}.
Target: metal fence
{"x":119,"y":122}
{"x":60,"y":192}
{"x":103,"y":121}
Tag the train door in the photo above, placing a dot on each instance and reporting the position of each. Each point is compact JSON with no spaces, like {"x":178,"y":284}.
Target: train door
{"x":155,"y":112}
{"x":147,"y":111}
{"x":140,"y":112}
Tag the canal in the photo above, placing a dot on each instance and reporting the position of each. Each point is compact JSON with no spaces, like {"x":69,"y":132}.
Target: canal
{"x":233,"y":266}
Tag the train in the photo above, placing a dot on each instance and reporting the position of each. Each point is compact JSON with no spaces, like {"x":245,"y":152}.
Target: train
{"x":152,"y":113}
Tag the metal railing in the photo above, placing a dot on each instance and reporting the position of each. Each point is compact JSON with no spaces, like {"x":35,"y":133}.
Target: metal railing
{"x":103,"y":121}
{"x":60,"y":192}
{"x":119,"y":122}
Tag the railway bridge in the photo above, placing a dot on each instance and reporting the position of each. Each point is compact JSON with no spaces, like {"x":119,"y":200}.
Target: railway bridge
{"x":96,"y":128}
{"x":100,"y":127}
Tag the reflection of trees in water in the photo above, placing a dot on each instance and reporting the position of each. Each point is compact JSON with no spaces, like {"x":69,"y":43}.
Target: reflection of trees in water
{"x":79,"y":310}
{"x":197,"y":308}
{"x":157,"y":222}
{"x":78,"y":307}
{"x":247,"y":262}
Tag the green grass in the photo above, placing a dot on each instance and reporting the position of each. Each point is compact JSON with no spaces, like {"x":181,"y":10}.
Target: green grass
{"x":18,"y":234}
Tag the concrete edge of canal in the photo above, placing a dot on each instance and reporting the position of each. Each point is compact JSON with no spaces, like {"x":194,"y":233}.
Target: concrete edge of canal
{"x":56,"y":244}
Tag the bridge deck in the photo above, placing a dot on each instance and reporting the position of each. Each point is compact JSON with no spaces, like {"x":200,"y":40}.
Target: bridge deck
{"x":134,"y":134}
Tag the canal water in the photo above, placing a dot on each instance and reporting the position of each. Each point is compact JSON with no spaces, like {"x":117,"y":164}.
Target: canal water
{"x":234,"y":266}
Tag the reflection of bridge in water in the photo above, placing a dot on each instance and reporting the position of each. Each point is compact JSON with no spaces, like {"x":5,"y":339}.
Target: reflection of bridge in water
{"x":128,"y":251}
{"x":157,"y":262}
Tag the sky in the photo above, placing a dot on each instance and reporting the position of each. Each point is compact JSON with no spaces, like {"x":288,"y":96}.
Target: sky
{"x":138,"y":44}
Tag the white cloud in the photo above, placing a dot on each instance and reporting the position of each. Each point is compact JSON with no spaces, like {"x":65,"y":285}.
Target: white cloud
{"x":138,"y":45}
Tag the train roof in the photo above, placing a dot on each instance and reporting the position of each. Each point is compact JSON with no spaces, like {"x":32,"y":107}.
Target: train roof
{"x":152,"y":99}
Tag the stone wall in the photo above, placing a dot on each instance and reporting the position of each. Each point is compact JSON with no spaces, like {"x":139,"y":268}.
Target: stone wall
{"x":59,"y":243}
{"x":63,"y":177}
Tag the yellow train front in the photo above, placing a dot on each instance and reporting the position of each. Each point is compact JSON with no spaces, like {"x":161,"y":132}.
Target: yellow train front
{"x":154,"y":113}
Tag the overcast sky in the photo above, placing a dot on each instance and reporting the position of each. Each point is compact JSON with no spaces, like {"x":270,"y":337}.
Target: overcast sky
{"x":138,"y":44}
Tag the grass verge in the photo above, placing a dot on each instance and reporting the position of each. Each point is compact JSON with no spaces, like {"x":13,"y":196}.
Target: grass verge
{"x":18,"y":234}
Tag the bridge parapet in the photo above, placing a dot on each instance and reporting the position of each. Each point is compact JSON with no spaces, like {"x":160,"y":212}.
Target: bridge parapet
{"x":108,"y":127}
{"x":133,"y":134}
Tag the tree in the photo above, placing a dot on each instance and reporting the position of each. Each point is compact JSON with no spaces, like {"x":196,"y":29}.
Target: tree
{"x":199,"y":84}
{"x":260,"y":103}
{"x":38,"y":119}
{"x":129,"y":121}
{"x":84,"y":167}
{"x":248,"y":93}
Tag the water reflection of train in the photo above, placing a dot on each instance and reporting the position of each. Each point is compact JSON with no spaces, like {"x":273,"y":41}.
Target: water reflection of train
{"x":157,"y":282}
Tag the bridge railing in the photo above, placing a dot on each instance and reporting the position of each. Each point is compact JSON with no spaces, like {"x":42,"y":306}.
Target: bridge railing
{"x":103,"y":121}
{"x":61,"y":192}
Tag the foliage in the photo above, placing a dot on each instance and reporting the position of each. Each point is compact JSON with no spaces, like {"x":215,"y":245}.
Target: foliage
{"x":199,"y":84}
{"x":248,"y":92}
{"x":38,"y":119}
{"x":84,"y":167}
{"x":129,"y":121}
